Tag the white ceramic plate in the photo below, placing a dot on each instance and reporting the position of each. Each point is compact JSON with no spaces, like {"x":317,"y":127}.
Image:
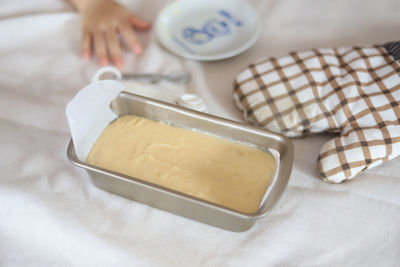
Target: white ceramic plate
{"x":207,"y":29}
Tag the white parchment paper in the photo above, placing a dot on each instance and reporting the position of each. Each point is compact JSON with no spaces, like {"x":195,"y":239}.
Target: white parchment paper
{"x":89,"y":113}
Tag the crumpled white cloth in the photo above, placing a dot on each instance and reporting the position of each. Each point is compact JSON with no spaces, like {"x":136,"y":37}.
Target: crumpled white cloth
{"x":51,"y":214}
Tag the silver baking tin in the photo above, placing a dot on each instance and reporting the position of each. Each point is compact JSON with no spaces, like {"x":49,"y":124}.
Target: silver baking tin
{"x":179,"y":203}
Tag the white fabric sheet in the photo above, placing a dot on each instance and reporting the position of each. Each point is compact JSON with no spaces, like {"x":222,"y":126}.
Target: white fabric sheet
{"x":52,"y":215}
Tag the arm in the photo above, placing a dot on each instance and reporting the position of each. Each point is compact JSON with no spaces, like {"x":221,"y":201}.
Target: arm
{"x":102,"y":21}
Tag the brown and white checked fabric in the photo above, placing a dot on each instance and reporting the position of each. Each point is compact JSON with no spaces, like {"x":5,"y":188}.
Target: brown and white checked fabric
{"x":352,"y":91}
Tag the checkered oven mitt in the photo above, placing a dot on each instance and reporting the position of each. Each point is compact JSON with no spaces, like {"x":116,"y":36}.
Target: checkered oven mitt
{"x":352,"y":91}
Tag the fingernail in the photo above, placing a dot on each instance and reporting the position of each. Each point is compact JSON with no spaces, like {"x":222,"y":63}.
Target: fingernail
{"x":145,"y":24}
{"x":137,"y":49}
{"x":103,"y":62}
{"x":118,"y":63}
{"x":85,"y":55}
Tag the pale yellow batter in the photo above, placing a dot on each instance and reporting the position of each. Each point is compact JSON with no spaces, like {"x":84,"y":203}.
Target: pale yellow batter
{"x":217,"y":170}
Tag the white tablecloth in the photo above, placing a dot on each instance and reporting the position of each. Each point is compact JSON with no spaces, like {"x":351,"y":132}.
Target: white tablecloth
{"x":52,"y":215}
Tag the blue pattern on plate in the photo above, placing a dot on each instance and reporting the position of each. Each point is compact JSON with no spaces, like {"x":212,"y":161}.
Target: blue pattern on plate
{"x":214,"y":27}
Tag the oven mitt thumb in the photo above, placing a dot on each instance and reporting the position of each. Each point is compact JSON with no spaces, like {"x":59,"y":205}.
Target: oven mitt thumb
{"x":351,"y":91}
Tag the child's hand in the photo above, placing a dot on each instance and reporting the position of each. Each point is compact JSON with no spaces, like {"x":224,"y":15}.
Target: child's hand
{"x":102,"y":21}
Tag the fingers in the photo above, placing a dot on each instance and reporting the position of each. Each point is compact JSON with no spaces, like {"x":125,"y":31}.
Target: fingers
{"x":129,"y":36}
{"x":114,"y":48}
{"x":103,"y":42}
{"x":100,"y":48}
{"x":138,"y":22}
{"x":106,"y":42}
{"x":86,"y":52}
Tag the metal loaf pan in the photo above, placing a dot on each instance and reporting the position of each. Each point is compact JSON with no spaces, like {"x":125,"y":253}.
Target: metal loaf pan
{"x":179,"y":203}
